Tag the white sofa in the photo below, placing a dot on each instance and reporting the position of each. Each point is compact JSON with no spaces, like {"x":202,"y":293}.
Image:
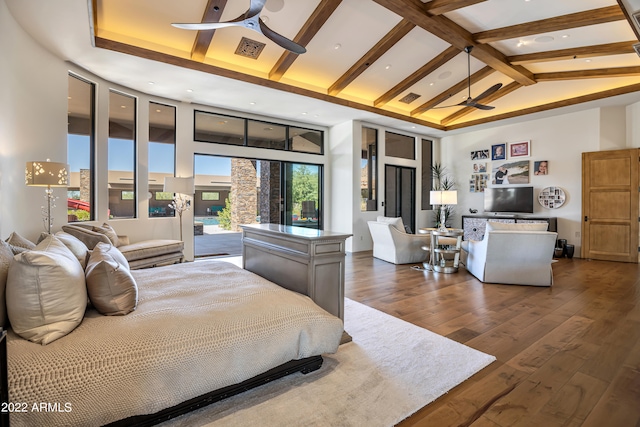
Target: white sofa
{"x":392,"y":244}
{"x":516,"y":254}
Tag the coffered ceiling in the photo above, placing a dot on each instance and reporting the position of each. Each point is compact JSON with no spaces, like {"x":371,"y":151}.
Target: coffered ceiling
{"x":400,"y":59}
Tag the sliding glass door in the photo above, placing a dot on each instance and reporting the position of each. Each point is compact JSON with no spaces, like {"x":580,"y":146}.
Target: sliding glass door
{"x":301,"y":187}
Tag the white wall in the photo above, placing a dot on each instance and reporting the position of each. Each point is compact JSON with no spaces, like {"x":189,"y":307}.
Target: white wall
{"x":561,"y":140}
{"x":633,"y":125}
{"x":33,"y":126}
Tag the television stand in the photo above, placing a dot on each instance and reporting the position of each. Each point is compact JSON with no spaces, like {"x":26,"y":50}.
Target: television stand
{"x":474,"y":226}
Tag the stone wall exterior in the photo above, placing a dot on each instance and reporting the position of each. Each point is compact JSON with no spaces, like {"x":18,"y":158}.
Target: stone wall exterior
{"x":244,"y":194}
{"x":85,"y":185}
{"x":269,"y":192}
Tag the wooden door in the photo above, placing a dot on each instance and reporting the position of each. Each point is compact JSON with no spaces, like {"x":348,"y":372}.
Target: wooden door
{"x":610,"y":186}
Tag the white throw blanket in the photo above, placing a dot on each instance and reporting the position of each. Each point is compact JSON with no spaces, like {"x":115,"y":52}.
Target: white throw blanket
{"x":198,"y":327}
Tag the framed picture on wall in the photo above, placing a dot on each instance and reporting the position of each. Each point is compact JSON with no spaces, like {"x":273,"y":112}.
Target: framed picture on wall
{"x":479,"y":168}
{"x":499,"y":152}
{"x":479,"y":154}
{"x":541,"y":167}
{"x":520,"y":149}
{"x":510,"y":172}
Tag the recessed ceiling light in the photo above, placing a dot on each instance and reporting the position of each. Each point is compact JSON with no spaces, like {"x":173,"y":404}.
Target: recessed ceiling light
{"x":587,"y":60}
{"x":189,"y":90}
{"x":431,"y":84}
{"x":152,"y":83}
{"x":544,"y":39}
{"x":565,"y":36}
{"x":337,"y":46}
{"x":387,"y":66}
{"x":268,"y":128}
{"x":158,"y":111}
{"x":413,"y":127}
{"x":252,"y":103}
{"x":520,"y":44}
{"x":123,"y":106}
{"x":304,"y":113}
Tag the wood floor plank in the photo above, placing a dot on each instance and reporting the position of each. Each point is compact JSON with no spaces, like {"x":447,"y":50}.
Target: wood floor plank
{"x":568,"y":355}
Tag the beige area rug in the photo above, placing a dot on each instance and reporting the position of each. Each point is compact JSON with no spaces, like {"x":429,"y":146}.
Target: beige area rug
{"x":390,"y":370}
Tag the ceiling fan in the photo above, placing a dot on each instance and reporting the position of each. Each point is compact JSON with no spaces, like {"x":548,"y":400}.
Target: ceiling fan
{"x":473,"y":102}
{"x":251,"y":20}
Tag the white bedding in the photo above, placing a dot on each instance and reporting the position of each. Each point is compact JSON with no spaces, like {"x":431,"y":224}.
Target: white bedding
{"x":198,"y":327}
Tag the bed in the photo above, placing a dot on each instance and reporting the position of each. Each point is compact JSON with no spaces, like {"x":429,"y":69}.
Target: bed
{"x":200,"y":331}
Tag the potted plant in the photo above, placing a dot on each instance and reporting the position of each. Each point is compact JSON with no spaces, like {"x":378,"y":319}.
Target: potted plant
{"x":442,"y":181}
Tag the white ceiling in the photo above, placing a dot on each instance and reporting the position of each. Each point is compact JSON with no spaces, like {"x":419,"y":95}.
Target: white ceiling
{"x":64,"y":28}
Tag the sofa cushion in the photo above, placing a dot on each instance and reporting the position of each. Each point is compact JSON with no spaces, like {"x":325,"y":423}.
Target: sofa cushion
{"x":108,"y":231}
{"x":6,"y":256}
{"x":46,"y":292}
{"x":86,"y":235}
{"x":75,"y":245}
{"x":517,"y":226}
{"x":151,"y":249}
{"x":111,"y":288}
{"x":396,"y":222}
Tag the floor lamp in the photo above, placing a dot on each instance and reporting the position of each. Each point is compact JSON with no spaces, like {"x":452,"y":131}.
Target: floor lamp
{"x":443,"y":198}
{"x":47,"y":174}
{"x":182,"y":188}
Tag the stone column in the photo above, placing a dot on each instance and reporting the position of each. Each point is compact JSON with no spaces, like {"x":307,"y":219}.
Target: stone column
{"x":269,"y":192}
{"x":85,"y":185}
{"x":244,"y":193}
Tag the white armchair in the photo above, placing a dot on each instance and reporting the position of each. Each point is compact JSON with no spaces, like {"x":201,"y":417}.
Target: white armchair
{"x":516,"y":254}
{"x":392,"y":244}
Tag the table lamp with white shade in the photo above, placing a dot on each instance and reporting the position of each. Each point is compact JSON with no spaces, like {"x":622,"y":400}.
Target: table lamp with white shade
{"x":181,"y":188}
{"x":47,"y":174}
{"x":443,"y":198}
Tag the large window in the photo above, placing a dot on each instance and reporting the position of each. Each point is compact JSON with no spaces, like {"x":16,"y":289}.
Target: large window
{"x":80,"y":149}
{"x":210,"y":127}
{"x":369,"y":170}
{"x":162,"y":156}
{"x":427,"y":173}
{"x":122,"y":155}
{"x":400,"y":146}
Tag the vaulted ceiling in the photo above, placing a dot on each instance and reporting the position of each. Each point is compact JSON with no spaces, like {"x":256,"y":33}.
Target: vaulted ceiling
{"x":403,"y":59}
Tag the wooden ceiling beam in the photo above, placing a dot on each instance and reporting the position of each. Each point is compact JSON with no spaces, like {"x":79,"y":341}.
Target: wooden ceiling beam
{"x":140,"y":52}
{"x":439,"y":7}
{"x":588,"y":74}
{"x":310,"y":28}
{"x":447,"y":30}
{"x":504,"y":91}
{"x":458,"y":87}
{"x":559,"y":23}
{"x":212,"y":13}
{"x":386,"y":43}
{"x":550,"y":106}
{"x":418,"y":75}
{"x":619,"y":48}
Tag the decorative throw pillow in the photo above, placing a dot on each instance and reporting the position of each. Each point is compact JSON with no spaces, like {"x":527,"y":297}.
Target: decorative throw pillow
{"x":15,"y":239}
{"x":108,"y":231}
{"x":519,"y":226}
{"x":6,"y":256}
{"x":76,"y":247}
{"x":87,"y":236}
{"x":46,"y":292}
{"x":396,"y":222}
{"x":110,"y":285}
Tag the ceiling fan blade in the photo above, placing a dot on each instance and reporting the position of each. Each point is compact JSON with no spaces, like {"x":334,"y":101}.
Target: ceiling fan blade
{"x":206,"y":25}
{"x":488,"y":92}
{"x":255,"y":7}
{"x":281,"y":40}
{"x":482,"y":107}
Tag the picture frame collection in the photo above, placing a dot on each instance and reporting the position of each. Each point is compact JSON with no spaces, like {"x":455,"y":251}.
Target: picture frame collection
{"x":510,"y":164}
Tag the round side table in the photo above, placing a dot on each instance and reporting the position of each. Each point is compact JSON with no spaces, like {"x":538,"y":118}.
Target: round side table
{"x":427,"y":264}
{"x":439,"y":249}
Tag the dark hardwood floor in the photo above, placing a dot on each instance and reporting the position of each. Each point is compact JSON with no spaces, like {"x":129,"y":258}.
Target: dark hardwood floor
{"x":568,"y":355}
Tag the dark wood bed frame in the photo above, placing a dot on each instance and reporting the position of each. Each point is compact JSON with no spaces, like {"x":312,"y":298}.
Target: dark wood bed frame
{"x":304,"y":366}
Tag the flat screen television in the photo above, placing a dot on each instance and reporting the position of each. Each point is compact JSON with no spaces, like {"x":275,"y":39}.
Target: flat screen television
{"x":508,"y":199}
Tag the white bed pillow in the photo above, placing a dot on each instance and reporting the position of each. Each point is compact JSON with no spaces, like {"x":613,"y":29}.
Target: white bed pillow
{"x":519,"y":226}
{"x":110,"y":285}
{"x":46,"y":292}
{"x":75,"y":245}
